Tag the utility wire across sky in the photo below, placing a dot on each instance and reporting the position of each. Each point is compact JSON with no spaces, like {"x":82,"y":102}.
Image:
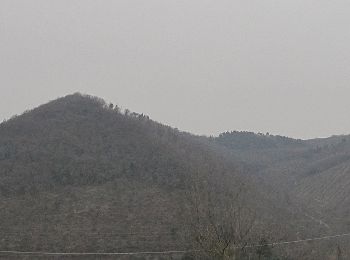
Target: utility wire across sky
{"x":38,"y":253}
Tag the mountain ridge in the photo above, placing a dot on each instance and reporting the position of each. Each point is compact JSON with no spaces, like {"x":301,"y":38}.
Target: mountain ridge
{"x":79,"y":164}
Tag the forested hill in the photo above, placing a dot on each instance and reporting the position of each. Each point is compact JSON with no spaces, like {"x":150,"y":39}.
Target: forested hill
{"x":249,"y":140}
{"x":316,"y":172}
{"x":81,"y":140}
{"x":78,"y":174}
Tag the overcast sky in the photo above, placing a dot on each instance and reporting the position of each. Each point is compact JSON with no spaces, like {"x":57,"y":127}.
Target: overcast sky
{"x":203,"y":66}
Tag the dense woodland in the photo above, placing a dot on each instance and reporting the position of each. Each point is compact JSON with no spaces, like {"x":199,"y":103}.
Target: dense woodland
{"x":80,"y":175}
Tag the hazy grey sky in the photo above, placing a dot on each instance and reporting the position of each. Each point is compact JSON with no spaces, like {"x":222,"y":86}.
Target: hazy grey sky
{"x":203,"y":66}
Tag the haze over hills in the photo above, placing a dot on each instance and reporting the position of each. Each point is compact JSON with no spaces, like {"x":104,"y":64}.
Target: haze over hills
{"x":77,"y":174}
{"x":316,"y":172}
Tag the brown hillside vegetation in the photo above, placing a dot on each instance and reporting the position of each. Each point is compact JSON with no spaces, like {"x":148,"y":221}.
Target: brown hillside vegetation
{"x":315,"y":173}
{"x":80,"y":175}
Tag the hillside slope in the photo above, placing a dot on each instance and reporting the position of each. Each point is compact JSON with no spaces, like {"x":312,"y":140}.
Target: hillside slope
{"x":77,"y":174}
{"x":314,"y":172}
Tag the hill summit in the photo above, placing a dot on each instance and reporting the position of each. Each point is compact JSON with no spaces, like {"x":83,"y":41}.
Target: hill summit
{"x":80,"y":174}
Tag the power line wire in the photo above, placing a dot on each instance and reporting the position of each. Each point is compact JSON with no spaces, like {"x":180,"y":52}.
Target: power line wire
{"x":162,"y":252}
{"x":95,"y":253}
{"x":301,"y":240}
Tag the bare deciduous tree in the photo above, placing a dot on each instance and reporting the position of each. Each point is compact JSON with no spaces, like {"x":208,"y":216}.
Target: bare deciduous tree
{"x":221,"y":224}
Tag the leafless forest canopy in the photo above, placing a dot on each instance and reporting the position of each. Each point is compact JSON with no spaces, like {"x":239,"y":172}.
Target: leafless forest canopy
{"x":80,"y":175}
